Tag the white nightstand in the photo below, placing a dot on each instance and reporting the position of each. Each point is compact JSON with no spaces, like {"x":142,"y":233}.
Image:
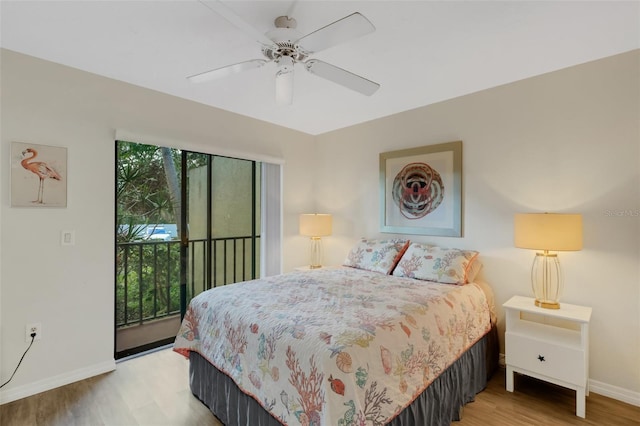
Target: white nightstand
{"x":551,"y":345}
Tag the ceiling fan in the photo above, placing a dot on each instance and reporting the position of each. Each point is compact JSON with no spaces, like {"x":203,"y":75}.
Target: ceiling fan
{"x":286,"y":47}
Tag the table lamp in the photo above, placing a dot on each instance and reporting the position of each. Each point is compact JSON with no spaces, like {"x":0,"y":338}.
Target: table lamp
{"x":547,"y":232}
{"x":315,"y":226}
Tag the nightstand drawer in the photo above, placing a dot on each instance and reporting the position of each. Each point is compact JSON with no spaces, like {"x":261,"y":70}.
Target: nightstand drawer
{"x":556,"y":361}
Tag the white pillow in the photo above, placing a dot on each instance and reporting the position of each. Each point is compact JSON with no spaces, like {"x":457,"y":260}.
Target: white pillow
{"x":376,"y":255}
{"x":431,"y":263}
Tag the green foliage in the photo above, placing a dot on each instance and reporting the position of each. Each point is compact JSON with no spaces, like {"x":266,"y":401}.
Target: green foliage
{"x":148,"y":270}
{"x":141,"y":188}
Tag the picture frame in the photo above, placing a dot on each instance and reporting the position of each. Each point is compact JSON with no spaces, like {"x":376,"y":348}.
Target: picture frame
{"x":38,"y":175}
{"x":421,"y":190}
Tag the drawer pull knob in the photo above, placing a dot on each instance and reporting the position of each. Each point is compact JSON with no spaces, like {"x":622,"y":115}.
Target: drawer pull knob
{"x":541,"y":358}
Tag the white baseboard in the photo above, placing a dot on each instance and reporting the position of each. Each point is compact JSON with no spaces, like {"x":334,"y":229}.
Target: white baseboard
{"x":604,"y":389}
{"x":56,"y":381}
{"x":614,"y":392}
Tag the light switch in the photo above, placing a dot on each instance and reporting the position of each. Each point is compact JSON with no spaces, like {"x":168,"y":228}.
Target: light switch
{"x":68,"y":238}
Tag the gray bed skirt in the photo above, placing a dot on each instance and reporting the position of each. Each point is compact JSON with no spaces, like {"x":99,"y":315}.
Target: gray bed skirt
{"x":438,"y":405}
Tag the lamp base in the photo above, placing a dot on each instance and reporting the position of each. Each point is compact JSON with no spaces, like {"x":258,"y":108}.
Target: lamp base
{"x":546,"y":280}
{"x":547,"y":304}
{"x":315,"y":261}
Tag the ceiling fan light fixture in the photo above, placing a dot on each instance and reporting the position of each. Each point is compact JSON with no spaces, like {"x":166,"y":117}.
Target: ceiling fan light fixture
{"x":284,"y":81}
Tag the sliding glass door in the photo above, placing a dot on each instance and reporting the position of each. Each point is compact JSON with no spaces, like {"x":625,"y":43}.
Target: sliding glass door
{"x":223,"y":221}
{"x":186,"y":222}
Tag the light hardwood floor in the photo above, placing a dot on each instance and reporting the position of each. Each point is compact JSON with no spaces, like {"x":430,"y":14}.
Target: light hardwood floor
{"x":153,"y":390}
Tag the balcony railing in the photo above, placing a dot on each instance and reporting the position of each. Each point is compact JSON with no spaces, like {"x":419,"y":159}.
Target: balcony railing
{"x":148,"y":274}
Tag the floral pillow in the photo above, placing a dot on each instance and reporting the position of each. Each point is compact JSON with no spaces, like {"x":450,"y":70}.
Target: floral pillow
{"x":376,"y":255}
{"x":431,"y":263}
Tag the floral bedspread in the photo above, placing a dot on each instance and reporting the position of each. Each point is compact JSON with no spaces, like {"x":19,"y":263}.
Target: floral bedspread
{"x":334,"y":346}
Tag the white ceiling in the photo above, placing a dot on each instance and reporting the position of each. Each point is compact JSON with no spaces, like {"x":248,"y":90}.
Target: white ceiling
{"x":422,"y":51}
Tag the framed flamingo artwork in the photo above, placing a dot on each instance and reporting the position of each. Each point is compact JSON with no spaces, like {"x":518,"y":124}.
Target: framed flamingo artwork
{"x":421,"y":190}
{"x":38,"y":175}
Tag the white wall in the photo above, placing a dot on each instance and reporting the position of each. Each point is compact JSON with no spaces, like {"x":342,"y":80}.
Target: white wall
{"x":70,"y":289}
{"x":567,"y":141}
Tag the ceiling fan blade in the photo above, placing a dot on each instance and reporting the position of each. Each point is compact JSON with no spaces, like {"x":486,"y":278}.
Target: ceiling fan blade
{"x":228,"y":14}
{"x":340,"y":31}
{"x":226,"y":71}
{"x":341,"y":77}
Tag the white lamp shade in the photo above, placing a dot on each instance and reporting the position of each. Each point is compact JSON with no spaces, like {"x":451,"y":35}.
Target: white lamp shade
{"x":315,"y":225}
{"x":548,"y":231}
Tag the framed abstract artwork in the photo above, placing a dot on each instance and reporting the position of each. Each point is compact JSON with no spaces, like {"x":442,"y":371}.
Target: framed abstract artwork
{"x":38,"y":175}
{"x":421,"y":190}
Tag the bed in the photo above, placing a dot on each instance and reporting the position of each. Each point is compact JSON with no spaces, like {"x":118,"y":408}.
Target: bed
{"x":369,"y":343}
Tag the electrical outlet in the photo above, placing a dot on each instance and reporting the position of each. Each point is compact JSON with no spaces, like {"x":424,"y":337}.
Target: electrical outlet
{"x":33,"y":328}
